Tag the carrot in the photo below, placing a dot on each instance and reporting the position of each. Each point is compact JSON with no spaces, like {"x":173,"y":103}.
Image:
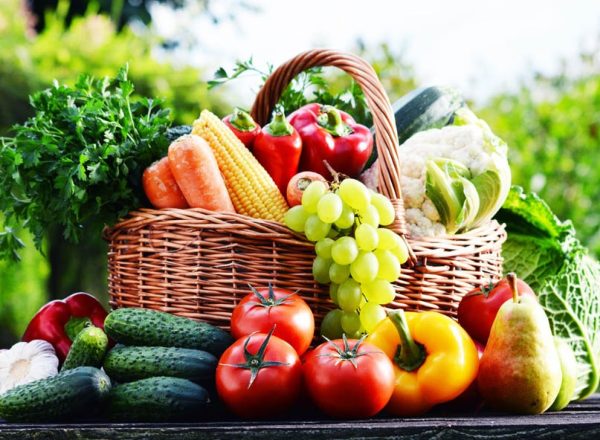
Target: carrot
{"x":160,"y":186}
{"x":196,"y":171}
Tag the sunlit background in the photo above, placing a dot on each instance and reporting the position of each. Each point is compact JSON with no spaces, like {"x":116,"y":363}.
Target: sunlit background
{"x":530,"y":68}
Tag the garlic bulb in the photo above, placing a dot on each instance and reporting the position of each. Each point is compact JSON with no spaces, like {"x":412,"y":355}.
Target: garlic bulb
{"x":26,"y":362}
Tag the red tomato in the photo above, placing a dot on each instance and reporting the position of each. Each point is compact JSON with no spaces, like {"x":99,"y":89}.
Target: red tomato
{"x":283,"y":309}
{"x":349,"y":378}
{"x":259,"y":376}
{"x":477,"y":310}
{"x":298,"y":184}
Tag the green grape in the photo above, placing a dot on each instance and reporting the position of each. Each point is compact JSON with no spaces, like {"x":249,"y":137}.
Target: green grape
{"x":370,"y":315}
{"x":370,"y":216}
{"x":366,"y":237}
{"x":295,"y":218}
{"x":363,"y":299}
{"x":344,"y":250}
{"x":331,"y":326}
{"x":401,"y":252}
{"x":320,"y":270}
{"x":338,"y":273}
{"x":379,"y":291}
{"x":329,"y":208}
{"x":323,"y":247}
{"x":384,"y":207}
{"x":346,"y":219}
{"x":333,"y":289}
{"x":350,"y":323}
{"x":389,"y":266}
{"x":315,"y":229}
{"x":354,"y":193}
{"x":349,"y":295}
{"x":365,"y":267}
{"x":388,"y":239}
{"x":312,"y":194}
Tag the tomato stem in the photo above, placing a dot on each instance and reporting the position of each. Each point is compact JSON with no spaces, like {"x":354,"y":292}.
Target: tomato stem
{"x":409,"y":355}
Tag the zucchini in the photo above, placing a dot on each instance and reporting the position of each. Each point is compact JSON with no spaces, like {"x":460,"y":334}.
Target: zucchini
{"x":126,"y":364}
{"x":150,"y":328}
{"x":67,"y":394}
{"x":422,"y":109}
{"x":425,"y":108}
{"x":157,"y":399}
{"x":88,"y":349}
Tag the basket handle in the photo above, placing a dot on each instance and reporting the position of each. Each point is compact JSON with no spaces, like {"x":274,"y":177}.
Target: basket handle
{"x":377,"y":100}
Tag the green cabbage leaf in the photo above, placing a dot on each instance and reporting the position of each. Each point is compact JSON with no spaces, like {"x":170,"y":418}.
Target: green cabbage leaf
{"x":545,"y":252}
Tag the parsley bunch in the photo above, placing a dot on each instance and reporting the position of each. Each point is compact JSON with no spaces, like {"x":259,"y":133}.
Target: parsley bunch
{"x":79,"y":160}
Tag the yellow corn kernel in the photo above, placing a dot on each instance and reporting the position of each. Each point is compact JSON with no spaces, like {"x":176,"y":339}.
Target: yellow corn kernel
{"x":252,"y":190}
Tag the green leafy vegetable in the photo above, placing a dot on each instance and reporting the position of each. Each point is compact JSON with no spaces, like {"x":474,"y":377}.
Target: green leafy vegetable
{"x":309,"y":86}
{"x":79,"y":160}
{"x":544,"y":252}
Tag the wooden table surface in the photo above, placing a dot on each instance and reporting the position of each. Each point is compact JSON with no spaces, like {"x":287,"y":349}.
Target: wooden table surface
{"x":580,"y":420}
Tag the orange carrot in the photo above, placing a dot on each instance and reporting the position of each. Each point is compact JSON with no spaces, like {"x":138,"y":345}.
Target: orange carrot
{"x":196,"y":171}
{"x":160,"y":186}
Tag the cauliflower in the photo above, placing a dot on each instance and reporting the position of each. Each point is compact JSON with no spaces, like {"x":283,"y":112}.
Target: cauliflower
{"x":454,"y":178}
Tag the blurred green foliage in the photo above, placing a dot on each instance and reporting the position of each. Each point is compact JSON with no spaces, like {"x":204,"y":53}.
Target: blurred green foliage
{"x":552,"y":128}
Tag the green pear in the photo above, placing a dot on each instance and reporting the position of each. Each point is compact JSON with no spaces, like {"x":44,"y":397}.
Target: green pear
{"x":568,"y":365}
{"x":520,"y":369}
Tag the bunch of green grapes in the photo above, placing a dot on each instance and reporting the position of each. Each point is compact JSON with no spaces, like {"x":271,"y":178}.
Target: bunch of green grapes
{"x":355,"y":255}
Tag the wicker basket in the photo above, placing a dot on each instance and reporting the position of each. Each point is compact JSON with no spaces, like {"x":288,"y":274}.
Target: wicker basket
{"x":198,"y":263}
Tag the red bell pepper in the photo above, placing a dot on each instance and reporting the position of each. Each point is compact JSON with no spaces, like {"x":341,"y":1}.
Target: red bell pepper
{"x":278,"y":148}
{"x":332,"y":135}
{"x":243,"y":126}
{"x":59,"y":321}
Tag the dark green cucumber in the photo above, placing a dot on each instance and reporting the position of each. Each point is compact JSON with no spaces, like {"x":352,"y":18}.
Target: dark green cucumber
{"x":88,"y":349}
{"x":422,"y":109}
{"x":149,"y":328}
{"x":67,"y":394}
{"x":157,"y":399}
{"x":126,"y":364}
{"x":178,"y":131}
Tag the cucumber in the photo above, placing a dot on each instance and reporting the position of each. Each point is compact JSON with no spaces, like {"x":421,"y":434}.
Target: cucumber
{"x":88,"y":349}
{"x":157,"y":399}
{"x":150,"y":328}
{"x":67,"y":394}
{"x":126,"y":364}
{"x":178,"y":131}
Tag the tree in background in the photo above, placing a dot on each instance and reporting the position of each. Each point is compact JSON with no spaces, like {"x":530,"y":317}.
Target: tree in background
{"x":552,"y":128}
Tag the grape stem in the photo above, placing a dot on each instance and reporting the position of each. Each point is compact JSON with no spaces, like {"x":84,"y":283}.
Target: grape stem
{"x":337,"y":177}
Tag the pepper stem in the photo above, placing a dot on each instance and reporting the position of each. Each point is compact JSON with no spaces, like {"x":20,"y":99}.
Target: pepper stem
{"x":279,"y":126}
{"x":331,"y":120}
{"x":512,"y":281}
{"x":242,"y":120}
{"x":410,"y":355}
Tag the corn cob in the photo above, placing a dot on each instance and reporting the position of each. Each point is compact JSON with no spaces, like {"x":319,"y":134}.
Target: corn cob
{"x":252,"y":191}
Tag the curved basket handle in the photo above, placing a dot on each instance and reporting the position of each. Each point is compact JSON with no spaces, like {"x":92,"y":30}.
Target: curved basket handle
{"x":377,"y":100}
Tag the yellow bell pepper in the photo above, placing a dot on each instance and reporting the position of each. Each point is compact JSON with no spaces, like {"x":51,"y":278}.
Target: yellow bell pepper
{"x":434,"y":359}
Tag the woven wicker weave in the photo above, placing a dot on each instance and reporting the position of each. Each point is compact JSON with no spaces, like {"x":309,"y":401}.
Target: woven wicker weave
{"x":198,"y":263}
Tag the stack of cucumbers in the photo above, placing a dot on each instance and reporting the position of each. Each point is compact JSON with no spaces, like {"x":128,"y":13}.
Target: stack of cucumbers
{"x":157,"y":371}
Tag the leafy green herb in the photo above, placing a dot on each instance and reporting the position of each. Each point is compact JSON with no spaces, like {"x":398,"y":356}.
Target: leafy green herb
{"x":79,"y":160}
{"x":309,"y":86}
{"x":544,"y":252}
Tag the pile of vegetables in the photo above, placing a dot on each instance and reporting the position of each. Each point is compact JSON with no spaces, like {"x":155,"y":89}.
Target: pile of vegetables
{"x":92,"y":153}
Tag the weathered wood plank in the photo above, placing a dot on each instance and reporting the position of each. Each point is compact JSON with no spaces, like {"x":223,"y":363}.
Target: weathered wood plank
{"x":581,"y":420}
